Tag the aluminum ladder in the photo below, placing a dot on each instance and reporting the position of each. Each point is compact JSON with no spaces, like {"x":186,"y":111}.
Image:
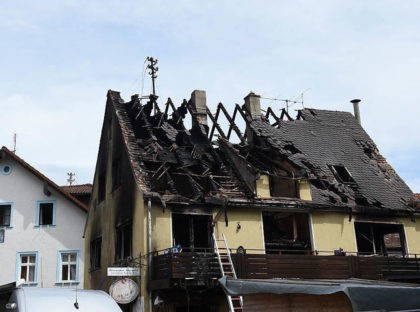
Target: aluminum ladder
{"x":226,"y":266}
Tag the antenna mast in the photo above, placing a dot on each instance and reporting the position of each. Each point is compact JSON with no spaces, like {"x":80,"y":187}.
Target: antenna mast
{"x":71,"y":178}
{"x":14,"y":142}
{"x":153,"y":71}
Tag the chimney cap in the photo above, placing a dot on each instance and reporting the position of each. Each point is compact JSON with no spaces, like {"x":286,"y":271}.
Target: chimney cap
{"x":252,"y":94}
{"x":355,"y":101}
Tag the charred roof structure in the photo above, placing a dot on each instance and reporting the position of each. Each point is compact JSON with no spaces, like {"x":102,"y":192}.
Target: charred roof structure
{"x":178,"y":165}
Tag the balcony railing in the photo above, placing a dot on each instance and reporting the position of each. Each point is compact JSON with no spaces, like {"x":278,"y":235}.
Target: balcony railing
{"x":254,"y":264}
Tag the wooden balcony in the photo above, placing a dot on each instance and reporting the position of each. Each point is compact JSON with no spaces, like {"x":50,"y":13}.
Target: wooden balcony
{"x":203,"y":267}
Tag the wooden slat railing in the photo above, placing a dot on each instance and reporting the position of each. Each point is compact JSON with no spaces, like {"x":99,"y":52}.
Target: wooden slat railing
{"x":203,"y":266}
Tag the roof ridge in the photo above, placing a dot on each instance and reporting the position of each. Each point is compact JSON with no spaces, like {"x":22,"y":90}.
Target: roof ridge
{"x":45,"y":178}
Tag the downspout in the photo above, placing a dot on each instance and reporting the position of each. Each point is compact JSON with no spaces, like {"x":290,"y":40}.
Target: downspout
{"x":149,"y":248}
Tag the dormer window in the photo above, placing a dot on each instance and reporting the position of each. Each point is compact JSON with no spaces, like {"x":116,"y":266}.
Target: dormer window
{"x":342,"y":174}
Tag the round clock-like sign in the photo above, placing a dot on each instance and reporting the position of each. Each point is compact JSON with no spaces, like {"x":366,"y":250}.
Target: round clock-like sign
{"x":124,"y":290}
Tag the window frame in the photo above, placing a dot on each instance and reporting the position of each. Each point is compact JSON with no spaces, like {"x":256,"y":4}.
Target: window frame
{"x":59,"y":277}
{"x":3,"y":171}
{"x":101,"y":186}
{"x":38,"y":211}
{"x":338,"y":171}
{"x":19,"y":256}
{"x":116,"y":173}
{"x":378,"y":237}
{"x":11,"y":204}
{"x":93,"y":248}
{"x":121,"y":232}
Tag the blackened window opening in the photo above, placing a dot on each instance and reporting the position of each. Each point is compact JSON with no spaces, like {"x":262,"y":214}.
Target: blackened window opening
{"x":116,"y":173}
{"x":192,"y":232}
{"x":124,"y":235}
{"x":380,"y":238}
{"x":286,"y":232}
{"x":283,"y":187}
{"x":101,"y":186}
{"x":95,"y":253}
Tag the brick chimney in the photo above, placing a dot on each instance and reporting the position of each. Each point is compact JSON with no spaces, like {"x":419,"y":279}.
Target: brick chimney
{"x":252,"y":103}
{"x":199,"y":108}
{"x":253,"y":106}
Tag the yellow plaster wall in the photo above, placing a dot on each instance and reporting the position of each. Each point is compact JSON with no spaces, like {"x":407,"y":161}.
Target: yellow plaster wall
{"x":250,"y":236}
{"x":263,"y":186}
{"x":412,"y":234}
{"x":332,"y":231}
{"x":139,"y":225}
{"x":161,"y":228}
{"x":305,"y":190}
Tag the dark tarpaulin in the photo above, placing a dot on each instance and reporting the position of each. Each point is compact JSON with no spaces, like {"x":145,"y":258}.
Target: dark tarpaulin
{"x":365,"y":295}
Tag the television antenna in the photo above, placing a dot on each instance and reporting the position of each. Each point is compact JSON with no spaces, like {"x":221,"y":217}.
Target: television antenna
{"x":289,"y":102}
{"x":71,"y":178}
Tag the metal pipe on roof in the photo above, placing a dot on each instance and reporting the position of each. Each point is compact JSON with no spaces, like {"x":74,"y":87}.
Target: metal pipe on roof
{"x":355,"y":103}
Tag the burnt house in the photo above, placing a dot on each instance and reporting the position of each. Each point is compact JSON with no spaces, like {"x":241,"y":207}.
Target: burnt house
{"x":305,"y":196}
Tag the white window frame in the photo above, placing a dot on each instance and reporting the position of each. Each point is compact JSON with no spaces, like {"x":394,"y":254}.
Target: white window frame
{"x":38,"y":212}
{"x":60,"y":264}
{"x":19,"y":266}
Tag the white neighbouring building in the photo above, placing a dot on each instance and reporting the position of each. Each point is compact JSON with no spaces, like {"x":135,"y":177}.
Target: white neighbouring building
{"x":41,"y":228}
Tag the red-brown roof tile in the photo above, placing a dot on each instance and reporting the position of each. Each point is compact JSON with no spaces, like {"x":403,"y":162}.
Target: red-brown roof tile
{"x":78,"y":188}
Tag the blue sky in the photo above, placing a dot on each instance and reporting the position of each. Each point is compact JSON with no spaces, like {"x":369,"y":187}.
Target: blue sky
{"x":59,"y":58}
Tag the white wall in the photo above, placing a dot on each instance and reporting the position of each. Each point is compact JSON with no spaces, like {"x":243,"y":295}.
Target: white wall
{"x":24,"y":190}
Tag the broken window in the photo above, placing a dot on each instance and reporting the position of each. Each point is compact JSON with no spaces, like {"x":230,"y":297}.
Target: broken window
{"x":380,"y":238}
{"x":286,"y":232}
{"x":283,"y":187}
{"x":342,"y":174}
{"x":124,"y":235}
{"x":192,"y":231}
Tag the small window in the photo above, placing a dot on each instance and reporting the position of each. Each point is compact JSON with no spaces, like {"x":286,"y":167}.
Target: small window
{"x":46,"y":213}
{"x":27,"y":267}
{"x":116,"y":173}
{"x":342,"y":174}
{"x":283,"y":187}
{"x":5,"y":214}
{"x":124,"y":241}
{"x":6,"y":169}
{"x":68,"y":266}
{"x":95,"y":254}
{"x":2,"y":236}
{"x":101,"y":186}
